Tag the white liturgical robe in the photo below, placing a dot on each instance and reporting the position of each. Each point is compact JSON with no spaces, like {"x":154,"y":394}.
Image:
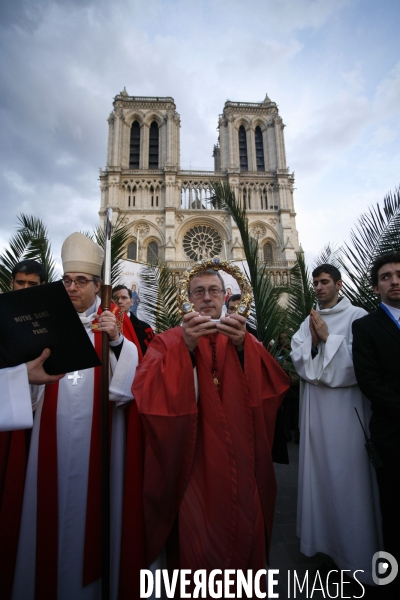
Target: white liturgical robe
{"x":74,"y":423}
{"x":15,"y":399}
{"x":338,"y":504}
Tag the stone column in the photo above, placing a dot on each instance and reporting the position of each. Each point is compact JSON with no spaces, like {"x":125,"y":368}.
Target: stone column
{"x":251,"y":149}
{"x":113,"y":191}
{"x":111,"y":120}
{"x":162,"y":155}
{"x":125,"y":146}
{"x":271,"y":146}
{"x":222,"y":142}
{"x":170,"y":185}
{"x":177,"y":124}
{"x":104,"y":193}
{"x":232,"y":142}
{"x":290,"y":197}
{"x":170,"y":133}
{"x":173,"y":141}
{"x":140,"y":202}
{"x":117,"y":137}
{"x":280,"y":150}
{"x":178,"y":144}
{"x":265,"y":148}
{"x":282,"y":196}
{"x":144,"y":147}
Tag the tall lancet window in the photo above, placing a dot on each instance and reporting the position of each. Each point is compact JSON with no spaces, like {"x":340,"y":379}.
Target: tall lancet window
{"x":244,"y":166}
{"x":259,"y":149}
{"x":153,"y":146}
{"x":152,"y":253}
{"x":132,"y":248}
{"x":268,"y":252}
{"x":135,"y":146}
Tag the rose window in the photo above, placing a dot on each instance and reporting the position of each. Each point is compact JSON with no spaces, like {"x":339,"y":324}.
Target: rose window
{"x":202,"y":242}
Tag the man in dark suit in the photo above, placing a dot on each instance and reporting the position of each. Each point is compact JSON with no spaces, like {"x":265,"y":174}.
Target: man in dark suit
{"x":122,"y":297}
{"x":376,"y":354}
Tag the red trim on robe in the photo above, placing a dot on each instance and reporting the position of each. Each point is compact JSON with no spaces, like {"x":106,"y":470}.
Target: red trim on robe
{"x":209,"y":464}
{"x":14,"y":447}
{"x":92,"y":548}
{"x":133,"y":538}
{"x":47,"y":500}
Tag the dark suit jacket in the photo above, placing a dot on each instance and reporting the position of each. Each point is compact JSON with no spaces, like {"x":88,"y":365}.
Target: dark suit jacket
{"x":376,"y":355}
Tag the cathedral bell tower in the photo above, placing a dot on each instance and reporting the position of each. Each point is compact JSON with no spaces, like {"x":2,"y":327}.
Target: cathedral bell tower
{"x":169,"y":209}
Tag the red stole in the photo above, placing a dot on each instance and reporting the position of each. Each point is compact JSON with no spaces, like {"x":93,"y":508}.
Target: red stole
{"x":14,"y":448}
{"x":133,"y":539}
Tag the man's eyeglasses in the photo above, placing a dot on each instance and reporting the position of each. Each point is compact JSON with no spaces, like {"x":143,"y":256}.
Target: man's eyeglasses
{"x":198,"y":293}
{"x":80,"y":282}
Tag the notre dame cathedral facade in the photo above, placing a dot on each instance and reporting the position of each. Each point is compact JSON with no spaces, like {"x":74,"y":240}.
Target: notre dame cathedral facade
{"x":171,"y":216}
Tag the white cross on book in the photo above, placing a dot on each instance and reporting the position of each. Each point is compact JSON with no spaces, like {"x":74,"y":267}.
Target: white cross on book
{"x":75,"y":377}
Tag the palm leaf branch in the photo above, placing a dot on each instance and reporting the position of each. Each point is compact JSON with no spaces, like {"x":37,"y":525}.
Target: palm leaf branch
{"x":269,"y":315}
{"x":119,"y":237}
{"x":377,"y":232}
{"x":301,"y":297}
{"x":159,"y":297}
{"x":31,"y":242}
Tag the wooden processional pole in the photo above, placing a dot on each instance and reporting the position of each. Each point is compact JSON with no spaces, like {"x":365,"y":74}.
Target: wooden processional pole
{"x":105,"y":420}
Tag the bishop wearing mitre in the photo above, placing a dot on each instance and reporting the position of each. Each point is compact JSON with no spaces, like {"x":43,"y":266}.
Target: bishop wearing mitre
{"x":59,"y":542}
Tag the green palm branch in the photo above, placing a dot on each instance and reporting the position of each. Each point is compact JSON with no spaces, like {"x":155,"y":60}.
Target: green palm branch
{"x":119,"y":237}
{"x":301,"y":297}
{"x":329,"y":255}
{"x":377,"y":232}
{"x":159,"y":297}
{"x":269,"y":314}
{"x":30,"y":242}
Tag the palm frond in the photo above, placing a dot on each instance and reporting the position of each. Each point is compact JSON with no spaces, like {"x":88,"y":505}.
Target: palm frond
{"x":328,"y":255}
{"x":270,"y":316}
{"x":301,"y":297}
{"x":31,"y":242}
{"x":158,"y":297}
{"x":119,"y":236}
{"x":377,"y":232}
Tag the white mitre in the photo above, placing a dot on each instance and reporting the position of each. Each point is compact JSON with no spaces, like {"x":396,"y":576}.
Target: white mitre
{"x":79,"y":254}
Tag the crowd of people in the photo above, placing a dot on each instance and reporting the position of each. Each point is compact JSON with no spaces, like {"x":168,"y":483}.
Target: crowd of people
{"x":193,"y":413}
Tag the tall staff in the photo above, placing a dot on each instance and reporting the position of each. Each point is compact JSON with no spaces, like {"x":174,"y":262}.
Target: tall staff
{"x":105,"y":420}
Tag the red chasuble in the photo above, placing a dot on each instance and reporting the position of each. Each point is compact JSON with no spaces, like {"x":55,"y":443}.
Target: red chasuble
{"x":209,"y":463}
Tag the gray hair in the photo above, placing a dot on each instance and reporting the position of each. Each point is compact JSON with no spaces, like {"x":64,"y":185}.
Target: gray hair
{"x":209,"y":272}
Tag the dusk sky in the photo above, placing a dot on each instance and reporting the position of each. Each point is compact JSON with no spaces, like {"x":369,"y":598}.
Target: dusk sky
{"x":332,"y":66}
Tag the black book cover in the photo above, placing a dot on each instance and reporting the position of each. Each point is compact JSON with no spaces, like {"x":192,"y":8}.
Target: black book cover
{"x":42,"y":317}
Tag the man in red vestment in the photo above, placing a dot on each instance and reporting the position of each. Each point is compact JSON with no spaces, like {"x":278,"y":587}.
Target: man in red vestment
{"x":208,"y":393}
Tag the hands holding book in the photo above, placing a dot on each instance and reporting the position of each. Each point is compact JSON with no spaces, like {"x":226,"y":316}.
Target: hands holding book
{"x":36,"y":374}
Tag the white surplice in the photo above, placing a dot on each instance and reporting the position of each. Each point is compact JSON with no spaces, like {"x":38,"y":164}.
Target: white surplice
{"x":15,"y":399}
{"x":74,"y":423}
{"x":338,"y":504}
